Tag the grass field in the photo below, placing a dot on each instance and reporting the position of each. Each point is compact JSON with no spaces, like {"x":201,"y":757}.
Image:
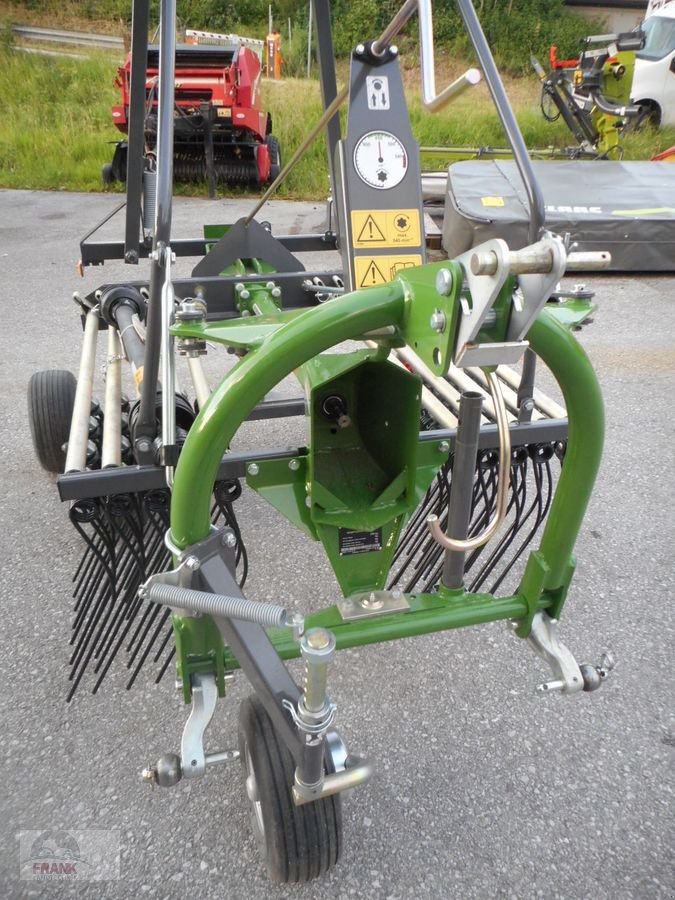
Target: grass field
{"x":57,"y":129}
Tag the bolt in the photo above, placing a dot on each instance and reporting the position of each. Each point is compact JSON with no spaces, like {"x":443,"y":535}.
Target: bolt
{"x":276,"y":293}
{"x":149,"y":775}
{"x":444,"y":447}
{"x":360,"y":49}
{"x":437,"y":321}
{"x":253,"y":469}
{"x":192,"y":563}
{"x":178,"y":684}
{"x":229,"y":540}
{"x":318,"y":639}
{"x":270,"y":285}
{"x":444,"y":282}
{"x":143,"y":445}
{"x":294,"y":464}
{"x":244,"y":294}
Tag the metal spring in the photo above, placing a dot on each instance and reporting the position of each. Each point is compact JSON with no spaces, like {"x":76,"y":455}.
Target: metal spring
{"x":219,"y":605}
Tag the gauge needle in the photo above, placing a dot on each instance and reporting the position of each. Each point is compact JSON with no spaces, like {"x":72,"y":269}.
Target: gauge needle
{"x":379,"y":150}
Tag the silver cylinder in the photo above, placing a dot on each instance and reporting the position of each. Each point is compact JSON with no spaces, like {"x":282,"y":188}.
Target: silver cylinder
{"x":317,"y":648}
{"x":76,"y":456}
{"x":199,"y":382}
{"x":111,"y":448}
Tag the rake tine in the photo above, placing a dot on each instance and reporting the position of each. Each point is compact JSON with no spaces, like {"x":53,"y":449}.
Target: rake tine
{"x":144,"y":656}
{"x":166,"y":664}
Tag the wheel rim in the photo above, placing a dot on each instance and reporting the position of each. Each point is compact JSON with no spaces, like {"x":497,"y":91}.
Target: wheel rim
{"x":254,"y":797}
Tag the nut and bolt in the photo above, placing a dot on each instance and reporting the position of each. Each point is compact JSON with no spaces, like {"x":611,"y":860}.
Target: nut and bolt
{"x":229,"y":540}
{"x":444,"y":282}
{"x":444,"y":447}
{"x":192,"y":563}
{"x":437,"y":321}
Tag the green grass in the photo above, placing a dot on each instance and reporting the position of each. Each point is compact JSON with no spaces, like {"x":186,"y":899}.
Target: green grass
{"x":57,"y":130}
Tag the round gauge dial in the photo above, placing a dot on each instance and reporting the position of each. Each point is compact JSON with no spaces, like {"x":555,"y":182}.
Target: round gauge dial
{"x":380,"y":160}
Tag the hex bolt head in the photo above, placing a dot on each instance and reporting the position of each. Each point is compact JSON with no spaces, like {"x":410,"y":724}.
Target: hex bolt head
{"x":444,"y":282}
{"x":253,"y":469}
{"x":192,"y":563}
{"x":444,"y":447}
{"x":229,"y":540}
{"x":294,"y":465}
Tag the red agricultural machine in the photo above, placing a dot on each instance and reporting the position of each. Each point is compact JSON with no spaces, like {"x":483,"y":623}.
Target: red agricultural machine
{"x":221,"y":134}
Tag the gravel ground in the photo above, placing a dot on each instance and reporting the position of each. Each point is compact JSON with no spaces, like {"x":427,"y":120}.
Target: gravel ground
{"x":483,"y":788}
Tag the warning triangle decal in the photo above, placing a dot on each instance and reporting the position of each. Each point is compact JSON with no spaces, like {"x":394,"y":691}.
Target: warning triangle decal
{"x":372,"y":275}
{"x":371,"y":231}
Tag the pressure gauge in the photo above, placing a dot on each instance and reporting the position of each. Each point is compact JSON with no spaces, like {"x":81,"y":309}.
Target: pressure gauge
{"x":380,"y":159}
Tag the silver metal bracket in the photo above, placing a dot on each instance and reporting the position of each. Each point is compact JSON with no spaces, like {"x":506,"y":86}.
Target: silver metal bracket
{"x":372,"y":603}
{"x":486,"y":268}
{"x":544,"y":640}
{"x":193,"y":760}
{"x":204,"y":699}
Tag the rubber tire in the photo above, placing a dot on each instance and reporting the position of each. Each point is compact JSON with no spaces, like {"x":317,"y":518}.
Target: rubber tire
{"x":107,"y":173}
{"x":299,"y":842}
{"x":648,"y":117}
{"x":275,"y":156}
{"x":51,"y":398}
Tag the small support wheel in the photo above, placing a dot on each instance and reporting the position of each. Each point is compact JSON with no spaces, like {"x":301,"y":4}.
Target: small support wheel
{"x":51,"y":398}
{"x":297,"y":843}
{"x":275,"y":156}
{"x":107,"y":173}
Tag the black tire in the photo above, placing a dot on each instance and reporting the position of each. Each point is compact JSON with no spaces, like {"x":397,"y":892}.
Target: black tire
{"x":275,"y":156}
{"x":648,"y":117}
{"x":296,"y":843}
{"x":107,"y":173}
{"x":51,"y":397}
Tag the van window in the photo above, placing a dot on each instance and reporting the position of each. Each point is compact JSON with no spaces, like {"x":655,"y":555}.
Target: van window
{"x":659,"y":38}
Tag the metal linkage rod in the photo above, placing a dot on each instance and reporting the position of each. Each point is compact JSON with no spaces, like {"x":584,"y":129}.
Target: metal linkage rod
{"x":405,"y":12}
{"x":76,"y":456}
{"x":509,"y":124}
{"x":299,"y":153}
{"x":146,"y":425}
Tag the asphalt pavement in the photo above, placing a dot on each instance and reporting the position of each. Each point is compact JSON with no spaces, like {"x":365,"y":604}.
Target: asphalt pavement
{"x":483,"y":788}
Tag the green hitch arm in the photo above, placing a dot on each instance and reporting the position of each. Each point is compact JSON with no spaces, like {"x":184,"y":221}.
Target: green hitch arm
{"x":550,"y":567}
{"x":246,"y":384}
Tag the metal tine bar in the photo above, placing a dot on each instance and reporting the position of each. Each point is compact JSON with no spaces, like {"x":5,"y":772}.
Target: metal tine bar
{"x":166,"y":664}
{"x":542,"y":503}
{"x":148,"y":648}
{"x":97,"y":585}
{"x":113,"y":653}
{"x":519,"y":494}
{"x":162,"y":646}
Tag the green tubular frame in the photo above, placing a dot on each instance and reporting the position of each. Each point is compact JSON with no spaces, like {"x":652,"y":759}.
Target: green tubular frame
{"x":549,"y":569}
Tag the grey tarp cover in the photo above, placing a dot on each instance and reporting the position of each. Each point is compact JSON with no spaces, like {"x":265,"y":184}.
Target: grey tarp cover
{"x":627,"y":208}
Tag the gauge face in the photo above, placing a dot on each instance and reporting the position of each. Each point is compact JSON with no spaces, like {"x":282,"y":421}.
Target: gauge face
{"x":380,"y":160}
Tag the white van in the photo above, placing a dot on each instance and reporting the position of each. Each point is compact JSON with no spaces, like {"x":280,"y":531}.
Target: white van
{"x":654,"y":78}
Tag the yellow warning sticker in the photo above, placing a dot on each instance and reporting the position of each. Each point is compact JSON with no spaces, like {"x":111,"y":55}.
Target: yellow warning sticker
{"x":492,"y":201}
{"x":370,"y":270}
{"x":386,"y":228}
